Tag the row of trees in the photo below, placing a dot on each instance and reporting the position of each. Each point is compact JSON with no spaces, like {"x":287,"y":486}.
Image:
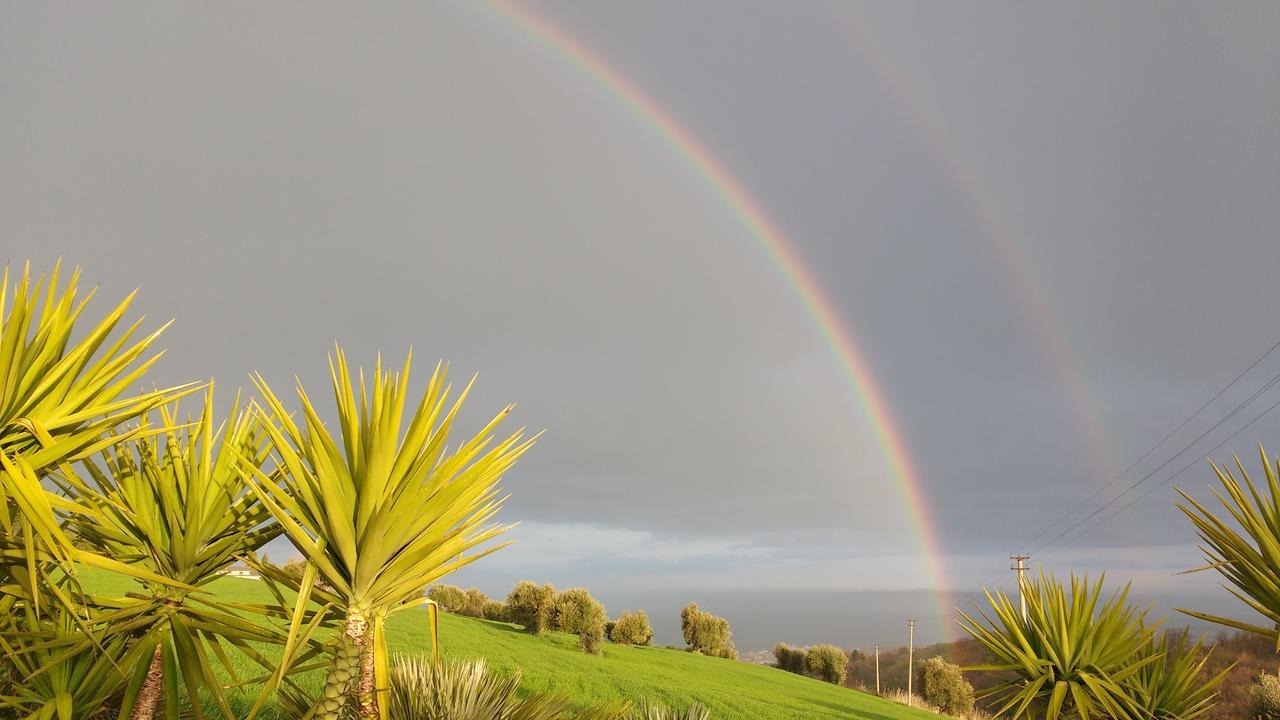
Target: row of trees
{"x":379,"y":502}
{"x":824,"y":662}
{"x":540,"y":608}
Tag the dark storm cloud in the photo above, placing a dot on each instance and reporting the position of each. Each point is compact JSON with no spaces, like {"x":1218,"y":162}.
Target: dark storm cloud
{"x":436,"y":177}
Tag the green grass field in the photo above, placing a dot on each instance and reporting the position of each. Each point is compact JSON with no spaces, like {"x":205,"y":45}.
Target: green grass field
{"x":552,"y":663}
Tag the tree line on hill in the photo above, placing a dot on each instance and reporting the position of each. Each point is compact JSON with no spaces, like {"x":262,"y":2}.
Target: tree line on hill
{"x":542,"y":608}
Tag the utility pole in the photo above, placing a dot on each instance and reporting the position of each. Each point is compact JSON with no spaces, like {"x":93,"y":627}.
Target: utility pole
{"x":877,"y":669}
{"x":1021,"y":570}
{"x":911,"y":654}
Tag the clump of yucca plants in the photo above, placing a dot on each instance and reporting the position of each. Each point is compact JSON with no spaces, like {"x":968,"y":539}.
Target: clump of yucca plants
{"x":1071,"y":656}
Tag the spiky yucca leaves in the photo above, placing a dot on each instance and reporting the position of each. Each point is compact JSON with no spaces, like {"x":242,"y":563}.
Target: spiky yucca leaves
{"x":647,"y":710}
{"x":467,"y":690}
{"x":1072,"y":656}
{"x":1173,"y":687}
{"x":62,"y":388}
{"x":176,"y":501}
{"x":64,"y":674}
{"x":383,"y":509}
{"x":1245,"y":552}
{"x":59,"y":395}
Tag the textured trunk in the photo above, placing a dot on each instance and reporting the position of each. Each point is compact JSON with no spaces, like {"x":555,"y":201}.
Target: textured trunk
{"x":346,"y":666}
{"x":144,"y":708}
{"x":368,"y":683}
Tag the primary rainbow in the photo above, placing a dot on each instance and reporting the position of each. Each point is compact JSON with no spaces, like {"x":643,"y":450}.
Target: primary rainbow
{"x":788,"y":262}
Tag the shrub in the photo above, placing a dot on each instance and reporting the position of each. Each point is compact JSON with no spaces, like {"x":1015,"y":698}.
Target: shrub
{"x":494,"y":610}
{"x":423,"y":690}
{"x":793,"y":660}
{"x":943,"y":685}
{"x":827,"y":663}
{"x":632,"y":628}
{"x":530,"y":605}
{"x":294,"y":568}
{"x":577,"y":612}
{"x":448,"y":598}
{"x":706,"y":634}
{"x":1264,"y":697}
{"x":648,"y":710}
{"x":473,"y":603}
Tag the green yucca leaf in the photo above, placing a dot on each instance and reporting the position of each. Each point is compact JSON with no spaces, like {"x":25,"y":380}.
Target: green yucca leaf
{"x":1245,"y":550}
{"x":382,"y":509}
{"x":1175,"y":687}
{"x":62,"y":388}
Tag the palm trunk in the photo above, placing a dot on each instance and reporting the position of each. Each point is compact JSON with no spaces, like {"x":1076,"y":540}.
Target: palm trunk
{"x":368,"y":684}
{"x":346,"y":665}
{"x":144,"y":707}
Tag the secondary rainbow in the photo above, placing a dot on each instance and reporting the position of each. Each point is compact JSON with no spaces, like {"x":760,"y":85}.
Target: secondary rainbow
{"x":929,"y":125}
{"x":780,"y":249}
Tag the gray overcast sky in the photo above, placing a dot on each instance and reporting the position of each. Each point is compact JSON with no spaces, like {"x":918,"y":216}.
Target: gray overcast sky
{"x":1036,"y":219}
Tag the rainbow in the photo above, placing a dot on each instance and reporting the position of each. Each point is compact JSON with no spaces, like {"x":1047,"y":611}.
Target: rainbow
{"x":991,"y":224}
{"x":790,"y":265}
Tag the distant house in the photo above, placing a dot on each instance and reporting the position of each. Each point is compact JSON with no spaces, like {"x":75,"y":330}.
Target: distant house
{"x":240,"y":570}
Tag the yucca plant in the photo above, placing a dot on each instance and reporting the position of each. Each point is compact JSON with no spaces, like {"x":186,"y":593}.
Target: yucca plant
{"x":1244,"y":549}
{"x":1174,"y":687}
{"x":66,"y":670}
{"x":62,"y":388}
{"x":648,"y":710}
{"x":1072,"y":655}
{"x":381,"y":510}
{"x":176,"y":501}
{"x":469,"y":690}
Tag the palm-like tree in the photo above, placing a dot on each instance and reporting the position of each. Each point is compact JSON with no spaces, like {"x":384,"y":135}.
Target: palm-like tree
{"x":1072,"y":655}
{"x":176,"y":501}
{"x":1246,"y":553}
{"x":381,"y":510}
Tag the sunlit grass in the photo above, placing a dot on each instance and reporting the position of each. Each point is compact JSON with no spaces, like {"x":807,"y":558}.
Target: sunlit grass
{"x":552,"y":663}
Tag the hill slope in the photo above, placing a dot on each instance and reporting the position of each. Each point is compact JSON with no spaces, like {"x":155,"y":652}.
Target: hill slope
{"x":732,"y":690}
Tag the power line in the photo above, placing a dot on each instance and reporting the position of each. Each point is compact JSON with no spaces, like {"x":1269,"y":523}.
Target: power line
{"x":1163,"y":465}
{"x":1153,"y":448}
{"x":1164,"y":482}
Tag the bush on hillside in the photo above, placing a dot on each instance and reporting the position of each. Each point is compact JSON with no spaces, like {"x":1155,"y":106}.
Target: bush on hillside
{"x":943,"y":685}
{"x":793,"y":660}
{"x":706,"y":634}
{"x":632,"y":628}
{"x":424,"y":690}
{"x":827,"y":663}
{"x":1264,"y":697}
{"x":294,"y":568}
{"x":530,"y":605}
{"x":494,"y":610}
{"x":576,"y":611}
{"x":647,"y":710}
{"x":473,"y":603}
{"x":448,"y":598}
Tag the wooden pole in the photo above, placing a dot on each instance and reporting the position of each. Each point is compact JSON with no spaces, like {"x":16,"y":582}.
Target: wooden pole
{"x":1021,"y":570}
{"x":911,"y":652}
{"x":877,"y":669}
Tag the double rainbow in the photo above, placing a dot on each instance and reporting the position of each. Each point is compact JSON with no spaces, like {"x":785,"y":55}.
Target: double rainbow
{"x":834,"y":329}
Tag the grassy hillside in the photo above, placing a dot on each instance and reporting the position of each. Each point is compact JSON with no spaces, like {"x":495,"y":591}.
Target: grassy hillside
{"x":732,"y":690}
